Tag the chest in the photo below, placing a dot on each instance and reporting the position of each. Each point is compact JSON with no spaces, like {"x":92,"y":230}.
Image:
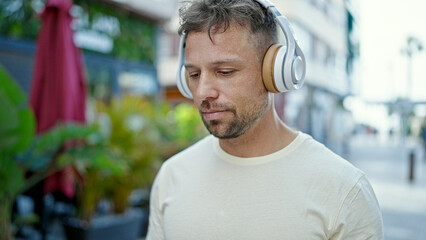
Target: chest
{"x":263,"y":204}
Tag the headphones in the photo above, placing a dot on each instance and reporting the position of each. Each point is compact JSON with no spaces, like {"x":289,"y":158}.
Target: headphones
{"x":283,"y":68}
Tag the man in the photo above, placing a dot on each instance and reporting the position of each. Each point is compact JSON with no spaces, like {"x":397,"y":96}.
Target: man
{"x":254,"y":177}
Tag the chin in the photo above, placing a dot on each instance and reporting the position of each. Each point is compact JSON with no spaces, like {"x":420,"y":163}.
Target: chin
{"x":228,"y":133}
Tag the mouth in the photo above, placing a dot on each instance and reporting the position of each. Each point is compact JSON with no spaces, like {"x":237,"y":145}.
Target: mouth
{"x":213,"y":114}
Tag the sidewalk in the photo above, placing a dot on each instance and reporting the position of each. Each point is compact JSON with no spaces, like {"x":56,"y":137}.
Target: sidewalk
{"x":403,"y":203}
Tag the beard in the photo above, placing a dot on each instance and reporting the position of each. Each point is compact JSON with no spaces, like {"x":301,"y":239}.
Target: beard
{"x":239,"y":123}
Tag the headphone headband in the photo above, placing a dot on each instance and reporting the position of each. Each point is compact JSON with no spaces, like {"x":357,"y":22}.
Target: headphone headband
{"x":181,"y":73}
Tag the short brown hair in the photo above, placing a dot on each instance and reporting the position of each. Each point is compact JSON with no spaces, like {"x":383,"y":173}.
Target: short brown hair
{"x":214,"y":15}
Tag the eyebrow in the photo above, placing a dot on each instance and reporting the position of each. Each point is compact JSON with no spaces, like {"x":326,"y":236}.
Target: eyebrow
{"x":217,"y":63}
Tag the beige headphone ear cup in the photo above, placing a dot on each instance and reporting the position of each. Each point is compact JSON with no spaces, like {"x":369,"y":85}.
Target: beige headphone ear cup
{"x":268,"y":68}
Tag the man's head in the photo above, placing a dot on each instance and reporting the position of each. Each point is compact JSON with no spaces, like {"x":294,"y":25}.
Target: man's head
{"x":217,"y":15}
{"x":225,"y":44}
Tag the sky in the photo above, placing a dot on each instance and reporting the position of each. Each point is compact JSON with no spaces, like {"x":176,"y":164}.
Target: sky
{"x":382,"y":71}
{"x":384,"y":28}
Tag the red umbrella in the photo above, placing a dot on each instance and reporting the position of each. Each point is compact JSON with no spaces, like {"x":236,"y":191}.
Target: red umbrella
{"x":58,"y":86}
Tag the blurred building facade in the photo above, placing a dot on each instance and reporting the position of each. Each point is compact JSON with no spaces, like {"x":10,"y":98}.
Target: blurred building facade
{"x":118,"y":40}
{"x":323,"y":28}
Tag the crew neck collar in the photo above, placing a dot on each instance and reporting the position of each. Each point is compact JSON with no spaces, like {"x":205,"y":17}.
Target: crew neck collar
{"x":261,"y":159}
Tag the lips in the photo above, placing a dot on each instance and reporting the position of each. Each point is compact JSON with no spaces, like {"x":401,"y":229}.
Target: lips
{"x":213,"y":114}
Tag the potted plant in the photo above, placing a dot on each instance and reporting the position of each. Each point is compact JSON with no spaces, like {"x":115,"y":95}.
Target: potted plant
{"x":21,"y":151}
{"x":134,"y":135}
{"x":126,"y":158}
{"x":145,"y":132}
{"x":97,"y":164}
{"x":138,"y":135}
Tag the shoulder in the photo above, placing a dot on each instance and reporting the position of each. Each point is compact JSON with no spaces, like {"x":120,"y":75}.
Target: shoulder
{"x":327,"y":164}
{"x":359,"y":216}
{"x":351,"y":198}
{"x":328,"y":173}
{"x":189,"y":158}
{"x":199,"y":149}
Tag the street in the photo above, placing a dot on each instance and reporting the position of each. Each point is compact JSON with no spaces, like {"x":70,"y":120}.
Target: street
{"x":403,"y":202}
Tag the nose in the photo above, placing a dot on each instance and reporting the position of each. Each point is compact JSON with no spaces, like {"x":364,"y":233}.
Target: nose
{"x":206,"y":87}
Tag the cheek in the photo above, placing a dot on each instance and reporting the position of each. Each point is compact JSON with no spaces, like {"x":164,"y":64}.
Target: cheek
{"x":246,"y":91}
{"x":254,"y":77}
{"x":253,"y":86}
{"x":192,"y":86}
{"x":255,"y":94}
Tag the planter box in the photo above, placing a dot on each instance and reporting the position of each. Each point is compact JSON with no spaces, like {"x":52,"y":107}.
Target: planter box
{"x":109,"y":227}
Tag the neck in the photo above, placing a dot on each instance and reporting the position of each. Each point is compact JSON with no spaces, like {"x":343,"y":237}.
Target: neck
{"x":267,"y":136}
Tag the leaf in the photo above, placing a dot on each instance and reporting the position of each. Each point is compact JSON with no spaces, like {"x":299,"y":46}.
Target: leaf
{"x":17,"y":136}
{"x":47,"y":145}
{"x":16,"y":119}
{"x":11,"y":178}
{"x":51,"y":140}
{"x":26,"y":129}
{"x":9,"y":87}
{"x":8,"y":114}
{"x":26,"y":219}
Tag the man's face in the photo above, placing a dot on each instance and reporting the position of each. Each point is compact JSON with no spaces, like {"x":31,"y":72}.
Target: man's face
{"x":225,"y":80}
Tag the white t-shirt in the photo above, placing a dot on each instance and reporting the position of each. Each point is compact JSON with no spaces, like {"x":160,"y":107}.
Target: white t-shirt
{"x":303,"y":191}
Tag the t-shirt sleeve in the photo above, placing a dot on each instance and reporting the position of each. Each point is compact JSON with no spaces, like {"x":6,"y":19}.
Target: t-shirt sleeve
{"x":155,"y":227}
{"x":359,"y":216}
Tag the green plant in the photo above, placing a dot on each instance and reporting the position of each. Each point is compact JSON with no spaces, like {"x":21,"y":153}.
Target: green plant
{"x":94,"y":163}
{"x":135,"y":138}
{"x":144,"y":132}
{"x":22,"y":152}
{"x":134,"y":38}
{"x":179,"y":126}
{"x":19,"y":20}
{"x":189,"y":127}
{"x":140,"y":133}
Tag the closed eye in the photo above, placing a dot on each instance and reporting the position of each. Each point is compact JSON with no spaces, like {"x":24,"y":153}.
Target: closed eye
{"x":193,"y":75}
{"x":226,"y":72}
